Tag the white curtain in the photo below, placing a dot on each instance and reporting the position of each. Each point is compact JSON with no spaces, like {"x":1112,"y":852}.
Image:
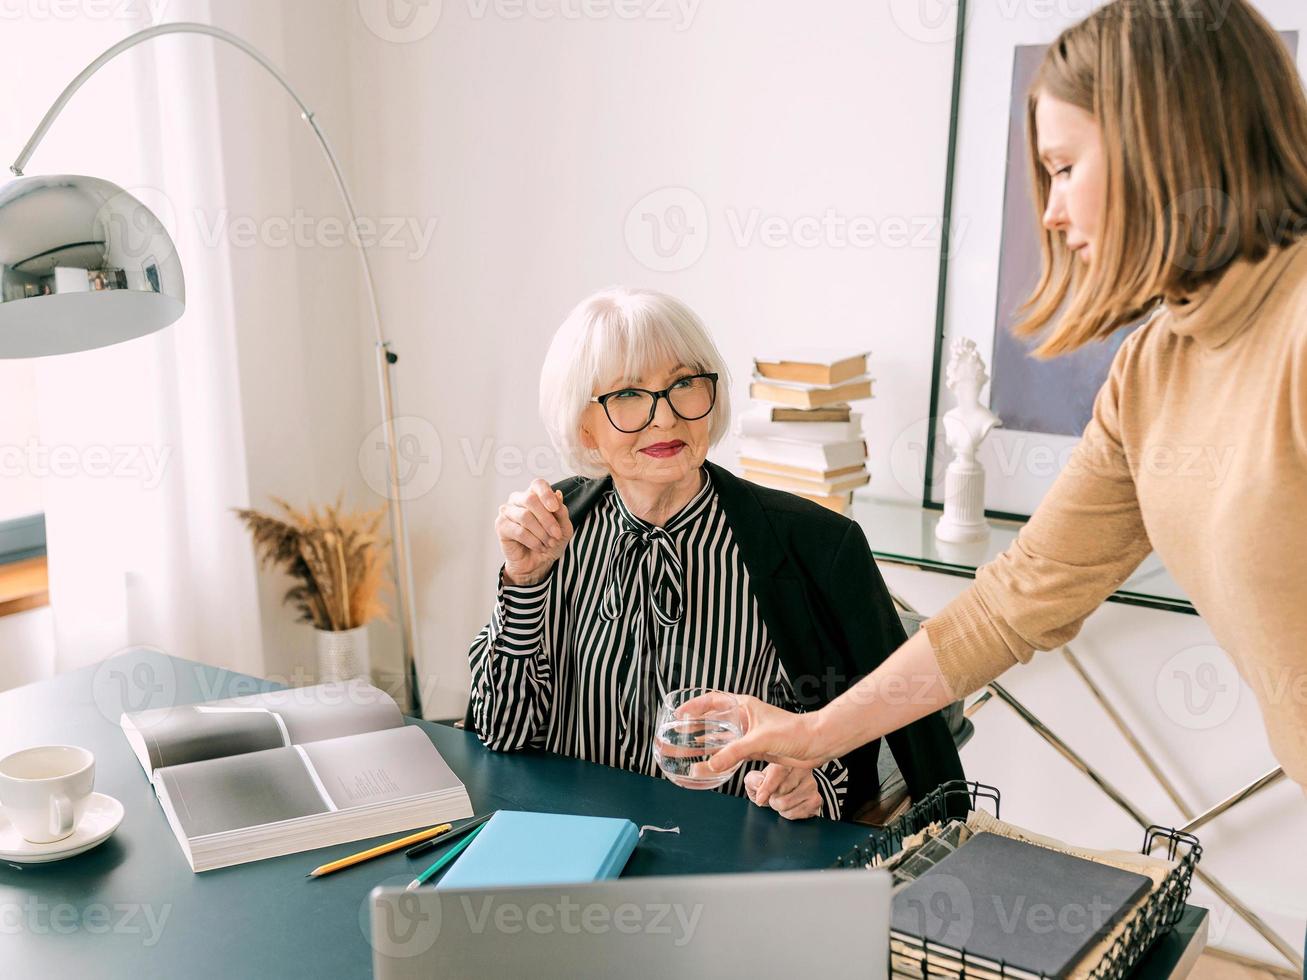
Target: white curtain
{"x":145,"y":440}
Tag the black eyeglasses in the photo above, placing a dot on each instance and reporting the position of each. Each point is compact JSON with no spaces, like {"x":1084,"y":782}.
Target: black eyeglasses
{"x":632,"y":409}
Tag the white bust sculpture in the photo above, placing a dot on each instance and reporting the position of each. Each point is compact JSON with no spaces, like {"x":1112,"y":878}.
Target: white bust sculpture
{"x":965,"y":428}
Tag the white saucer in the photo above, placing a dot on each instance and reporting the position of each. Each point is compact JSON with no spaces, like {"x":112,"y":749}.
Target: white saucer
{"x":101,"y":818}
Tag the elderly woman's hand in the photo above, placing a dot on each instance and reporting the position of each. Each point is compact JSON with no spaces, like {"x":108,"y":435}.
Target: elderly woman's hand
{"x":534,"y":529}
{"x":790,"y":792}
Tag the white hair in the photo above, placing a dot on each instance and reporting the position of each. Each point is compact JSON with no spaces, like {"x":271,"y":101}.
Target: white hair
{"x":621,"y":333}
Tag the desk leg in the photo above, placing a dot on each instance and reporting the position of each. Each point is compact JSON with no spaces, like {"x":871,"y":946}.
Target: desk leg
{"x":1128,"y":735}
{"x":1230,"y":802}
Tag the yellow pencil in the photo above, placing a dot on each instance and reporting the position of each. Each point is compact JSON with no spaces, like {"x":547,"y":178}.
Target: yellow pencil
{"x":379,"y":850}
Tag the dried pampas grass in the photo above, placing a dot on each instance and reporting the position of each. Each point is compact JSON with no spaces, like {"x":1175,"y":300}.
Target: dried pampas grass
{"x":336,"y":557}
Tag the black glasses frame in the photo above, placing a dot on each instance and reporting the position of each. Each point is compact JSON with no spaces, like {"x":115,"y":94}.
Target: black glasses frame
{"x":653,"y":409}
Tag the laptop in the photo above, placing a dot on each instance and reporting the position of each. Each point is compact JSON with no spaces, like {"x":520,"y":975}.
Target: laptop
{"x":793,"y":923}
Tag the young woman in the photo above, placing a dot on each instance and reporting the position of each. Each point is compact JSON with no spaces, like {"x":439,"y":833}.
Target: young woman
{"x":1169,"y":143}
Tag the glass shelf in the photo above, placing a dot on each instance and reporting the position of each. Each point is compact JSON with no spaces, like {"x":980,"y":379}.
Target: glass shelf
{"x":903,"y":532}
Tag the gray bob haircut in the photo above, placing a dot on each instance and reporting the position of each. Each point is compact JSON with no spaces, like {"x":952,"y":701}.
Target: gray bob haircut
{"x":621,"y":333}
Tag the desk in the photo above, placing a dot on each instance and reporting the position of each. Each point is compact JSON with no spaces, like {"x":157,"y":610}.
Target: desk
{"x":133,"y":908}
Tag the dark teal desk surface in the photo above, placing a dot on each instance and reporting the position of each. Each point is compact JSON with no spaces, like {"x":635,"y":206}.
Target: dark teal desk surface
{"x":132,"y":907}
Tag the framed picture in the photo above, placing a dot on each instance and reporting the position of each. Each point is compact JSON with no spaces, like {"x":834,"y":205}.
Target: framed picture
{"x":993,"y":262}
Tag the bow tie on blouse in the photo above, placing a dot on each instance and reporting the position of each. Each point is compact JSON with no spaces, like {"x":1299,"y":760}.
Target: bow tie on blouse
{"x":645,"y":568}
{"x":645,"y":574}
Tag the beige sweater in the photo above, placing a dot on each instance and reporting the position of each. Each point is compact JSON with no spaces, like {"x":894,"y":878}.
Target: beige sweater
{"x":1197,"y":448}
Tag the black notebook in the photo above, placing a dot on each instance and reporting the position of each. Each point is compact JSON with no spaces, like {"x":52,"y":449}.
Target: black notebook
{"x":1031,"y":909}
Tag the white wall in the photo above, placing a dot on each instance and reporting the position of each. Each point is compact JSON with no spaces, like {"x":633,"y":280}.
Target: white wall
{"x":531,"y":140}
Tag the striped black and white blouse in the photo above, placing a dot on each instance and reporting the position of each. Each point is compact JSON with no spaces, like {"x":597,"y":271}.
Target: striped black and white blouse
{"x":578,"y":663}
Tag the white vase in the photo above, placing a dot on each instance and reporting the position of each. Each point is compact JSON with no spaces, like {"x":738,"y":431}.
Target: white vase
{"x":343,"y":654}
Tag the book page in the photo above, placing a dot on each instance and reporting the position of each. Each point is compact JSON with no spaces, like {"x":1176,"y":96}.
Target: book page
{"x":219,"y":795}
{"x":256,"y":722}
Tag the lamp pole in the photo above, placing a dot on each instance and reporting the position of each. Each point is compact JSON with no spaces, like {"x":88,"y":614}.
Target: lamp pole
{"x":385,"y":356}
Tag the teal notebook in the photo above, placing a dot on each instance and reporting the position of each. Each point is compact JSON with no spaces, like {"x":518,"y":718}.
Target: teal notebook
{"x":516,"y":848}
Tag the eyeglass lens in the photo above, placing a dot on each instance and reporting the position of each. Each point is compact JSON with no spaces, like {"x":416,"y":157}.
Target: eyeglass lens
{"x":631,"y":410}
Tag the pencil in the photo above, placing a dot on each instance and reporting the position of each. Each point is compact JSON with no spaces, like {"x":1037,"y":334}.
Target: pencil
{"x":377,"y":851}
{"x":449,"y":838}
{"x":443,"y":861}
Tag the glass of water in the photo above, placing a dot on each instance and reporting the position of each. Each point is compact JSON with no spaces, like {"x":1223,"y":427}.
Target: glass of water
{"x":683,"y":743}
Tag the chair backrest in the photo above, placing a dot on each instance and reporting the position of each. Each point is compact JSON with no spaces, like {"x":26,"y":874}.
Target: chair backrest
{"x":911,"y":622}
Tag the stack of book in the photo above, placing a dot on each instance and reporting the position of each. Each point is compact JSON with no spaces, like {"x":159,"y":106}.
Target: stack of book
{"x":801,"y":435}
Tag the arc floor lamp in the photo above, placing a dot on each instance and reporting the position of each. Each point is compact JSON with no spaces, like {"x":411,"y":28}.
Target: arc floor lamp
{"x":69,"y":283}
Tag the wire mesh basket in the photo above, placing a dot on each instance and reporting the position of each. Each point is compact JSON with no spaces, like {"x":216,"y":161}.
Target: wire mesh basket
{"x":1156,"y":916}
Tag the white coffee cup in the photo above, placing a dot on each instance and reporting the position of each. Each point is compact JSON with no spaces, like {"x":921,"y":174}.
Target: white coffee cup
{"x":44,"y":789}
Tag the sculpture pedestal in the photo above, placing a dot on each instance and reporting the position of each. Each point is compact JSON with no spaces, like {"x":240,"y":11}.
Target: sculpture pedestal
{"x":964,"y":504}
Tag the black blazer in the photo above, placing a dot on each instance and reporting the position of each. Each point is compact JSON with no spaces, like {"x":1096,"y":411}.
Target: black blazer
{"x":827,"y":611}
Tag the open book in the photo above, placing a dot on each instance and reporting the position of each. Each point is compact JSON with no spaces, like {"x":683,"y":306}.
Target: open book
{"x":263,"y":775}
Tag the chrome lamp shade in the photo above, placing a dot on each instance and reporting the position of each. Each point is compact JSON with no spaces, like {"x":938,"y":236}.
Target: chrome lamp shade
{"x":83,"y":264}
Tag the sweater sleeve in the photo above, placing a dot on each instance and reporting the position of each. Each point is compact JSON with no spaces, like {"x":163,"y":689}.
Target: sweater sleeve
{"x":1085,"y":539}
{"x":512,"y":670}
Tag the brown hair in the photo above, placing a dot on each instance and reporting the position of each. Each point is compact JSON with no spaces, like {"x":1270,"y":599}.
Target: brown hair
{"x":1204,"y":128}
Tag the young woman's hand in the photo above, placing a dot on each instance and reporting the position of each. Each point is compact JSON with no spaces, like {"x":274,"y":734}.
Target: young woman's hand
{"x":534,"y":530}
{"x":770,"y":733}
{"x":790,"y":792}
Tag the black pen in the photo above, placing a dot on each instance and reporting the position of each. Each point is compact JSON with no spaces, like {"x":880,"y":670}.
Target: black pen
{"x":449,"y":837}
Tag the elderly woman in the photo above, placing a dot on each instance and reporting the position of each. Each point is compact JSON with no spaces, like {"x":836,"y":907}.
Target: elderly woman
{"x":657,"y":570}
